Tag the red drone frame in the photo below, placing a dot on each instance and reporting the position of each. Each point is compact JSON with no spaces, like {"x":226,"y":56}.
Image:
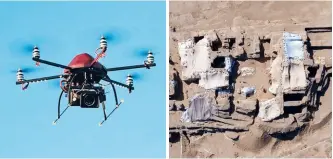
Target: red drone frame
{"x":81,"y":79}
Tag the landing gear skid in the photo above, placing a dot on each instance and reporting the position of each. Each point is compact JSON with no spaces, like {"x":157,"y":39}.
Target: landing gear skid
{"x":55,"y":121}
{"x":104,"y":110}
{"x":60,"y":114}
{"x":117,"y":105}
{"x":103,"y":106}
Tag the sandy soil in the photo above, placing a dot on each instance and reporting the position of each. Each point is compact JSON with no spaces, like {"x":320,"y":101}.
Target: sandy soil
{"x":189,"y":17}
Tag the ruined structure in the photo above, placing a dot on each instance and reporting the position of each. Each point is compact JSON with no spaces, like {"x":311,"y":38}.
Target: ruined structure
{"x":199,"y":62}
{"x":282,"y":97}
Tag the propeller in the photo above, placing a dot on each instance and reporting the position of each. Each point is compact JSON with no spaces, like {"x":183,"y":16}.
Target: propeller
{"x":113,"y":35}
{"x":24,"y":47}
{"x":142,"y":53}
{"x":28,"y":48}
{"x":25,"y":70}
{"x":136,"y":76}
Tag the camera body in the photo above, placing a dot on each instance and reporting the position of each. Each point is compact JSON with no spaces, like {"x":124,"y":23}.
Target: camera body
{"x":88,"y":96}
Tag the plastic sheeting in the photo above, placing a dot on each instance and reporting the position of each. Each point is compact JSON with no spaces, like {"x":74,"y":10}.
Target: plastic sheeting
{"x":293,"y":46}
{"x":248,"y":91}
{"x":293,"y":74}
{"x":229,"y":63}
{"x":173,"y":83}
{"x":200,"y":109}
{"x":223,"y":91}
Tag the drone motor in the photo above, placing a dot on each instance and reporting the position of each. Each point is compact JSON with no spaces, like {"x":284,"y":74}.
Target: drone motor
{"x":129,"y":80}
{"x":150,"y":58}
{"x":103,"y":42}
{"x":19,"y":75}
{"x":35,"y":52}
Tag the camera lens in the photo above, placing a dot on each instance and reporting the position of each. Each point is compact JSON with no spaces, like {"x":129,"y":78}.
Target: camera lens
{"x":89,"y":100}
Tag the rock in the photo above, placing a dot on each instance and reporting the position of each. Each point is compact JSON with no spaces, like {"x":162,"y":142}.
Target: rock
{"x":247,"y":107}
{"x":247,"y":71}
{"x":270,"y":109}
{"x":289,"y":125}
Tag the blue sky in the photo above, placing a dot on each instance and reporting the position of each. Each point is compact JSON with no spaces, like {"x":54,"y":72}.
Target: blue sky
{"x":62,"y":30}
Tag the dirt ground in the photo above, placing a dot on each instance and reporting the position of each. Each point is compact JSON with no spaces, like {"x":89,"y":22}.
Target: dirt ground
{"x":188,"y":17}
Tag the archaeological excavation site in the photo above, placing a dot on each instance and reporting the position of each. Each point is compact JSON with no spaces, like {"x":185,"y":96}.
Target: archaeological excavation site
{"x":250,"y":79}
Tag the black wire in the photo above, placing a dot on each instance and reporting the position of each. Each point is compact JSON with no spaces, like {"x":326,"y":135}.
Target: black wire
{"x":62,"y":93}
{"x":115,"y":93}
{"x":59,"y":103}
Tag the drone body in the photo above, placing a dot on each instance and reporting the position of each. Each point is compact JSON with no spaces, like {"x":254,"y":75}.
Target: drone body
{"x":82,"y":61}
{"x":81,"y":79}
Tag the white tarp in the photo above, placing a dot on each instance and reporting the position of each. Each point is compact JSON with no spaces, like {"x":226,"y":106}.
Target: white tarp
{"x":293,"y":46}
{"x":200,"y":109}
{"x":293,"y":75}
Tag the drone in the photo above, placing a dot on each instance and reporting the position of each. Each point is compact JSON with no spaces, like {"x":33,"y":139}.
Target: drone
{"x":81,"y":79}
